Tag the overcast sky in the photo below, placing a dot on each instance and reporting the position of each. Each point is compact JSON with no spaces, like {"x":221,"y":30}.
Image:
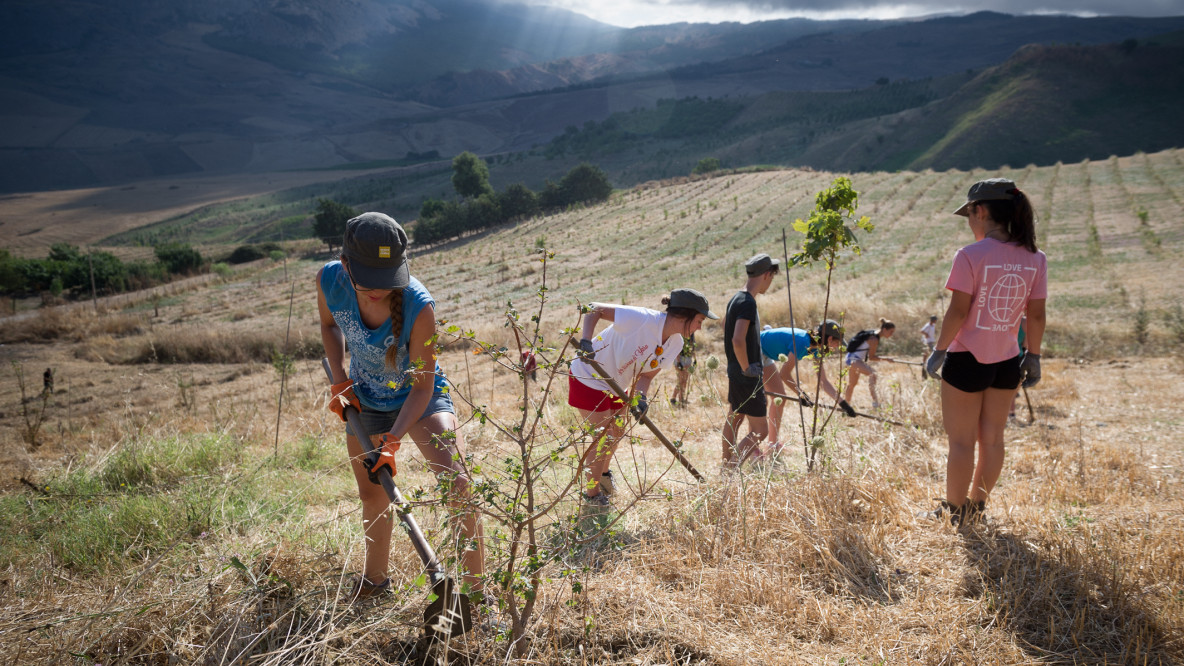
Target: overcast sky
{"x":631,"y":13}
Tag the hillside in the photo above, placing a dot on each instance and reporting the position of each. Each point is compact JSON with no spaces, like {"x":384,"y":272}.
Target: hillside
{"x":188,"y":503}
{"x":133,"y":91}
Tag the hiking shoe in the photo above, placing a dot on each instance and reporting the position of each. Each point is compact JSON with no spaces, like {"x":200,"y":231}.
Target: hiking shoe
{"x":364,"y":589}
{"x":607,"y":485}
{"x":974,"y":512}
{"x":875,"y":405}
{"x":945,"y":512}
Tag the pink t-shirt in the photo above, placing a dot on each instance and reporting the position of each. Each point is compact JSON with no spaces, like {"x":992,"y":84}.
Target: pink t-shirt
{"x":1001,"y":278}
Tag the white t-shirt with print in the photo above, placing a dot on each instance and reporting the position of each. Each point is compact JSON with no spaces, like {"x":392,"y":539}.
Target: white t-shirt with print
{"x":631,"y":346}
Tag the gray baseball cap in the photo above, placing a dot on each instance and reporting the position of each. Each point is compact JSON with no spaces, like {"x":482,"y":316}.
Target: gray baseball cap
{"x":760,"y":264}
{"x":988,"y":190}
{"x":691,"y":300}
{"x":376,"y":247}
{"x":830,"y":329}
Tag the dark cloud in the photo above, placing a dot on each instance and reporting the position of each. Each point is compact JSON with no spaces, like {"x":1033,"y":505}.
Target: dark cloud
{"x":857,"y":8}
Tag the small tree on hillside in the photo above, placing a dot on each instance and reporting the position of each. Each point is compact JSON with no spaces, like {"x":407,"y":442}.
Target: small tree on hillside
{"x":179,"y":258}
{"x":329,"y":222}
{"x":470,"y":176}
{"x":585,"y":183}
{"x":707,"y":165}
{"x":518,"y":202}
{"x":826,"y":234}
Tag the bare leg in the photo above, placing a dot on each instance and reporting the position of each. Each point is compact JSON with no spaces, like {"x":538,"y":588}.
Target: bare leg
{"x":440,"y":452}
{"x":599,"y":454}
{"x":776,"y":406}
{"x":991,"y":450}
{"x":730,"y":430}
{"x":758,"y":429}
{"x":376,"y":516}
{"x":852,"y":380}
{"x":960,"y":414}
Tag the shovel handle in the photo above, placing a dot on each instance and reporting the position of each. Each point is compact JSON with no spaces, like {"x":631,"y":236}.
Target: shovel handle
{"x":624,"y":396}
{"x":830,"y":407}
{"x":402,"y":509}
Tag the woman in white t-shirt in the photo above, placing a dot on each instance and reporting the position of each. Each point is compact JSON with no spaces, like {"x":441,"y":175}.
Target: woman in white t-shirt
{"x":639,"y":343}
{"x":993,"y":283}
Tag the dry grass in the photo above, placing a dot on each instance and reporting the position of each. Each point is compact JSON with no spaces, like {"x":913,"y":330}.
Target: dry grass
{"x":1081,"y":560}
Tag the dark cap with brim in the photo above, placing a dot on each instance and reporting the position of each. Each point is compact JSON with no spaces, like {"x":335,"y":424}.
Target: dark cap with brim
{"x":830,"y":329}
{"x":988,"y":190}
{"x":376,"y":248}
{"x":760,"y":264}
{"x":691,"y":300}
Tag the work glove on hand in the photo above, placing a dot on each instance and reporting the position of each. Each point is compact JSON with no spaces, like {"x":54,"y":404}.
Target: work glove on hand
{"x":753,"y":370}
{"x":641,"y":407}
{"x":933,"y":364}
{"x":385,"y":448}
{"x":585,"y":348}
{"x":341,"y":396}
{"x":847,"y":408}
{"x":1030,"y":366}
{"x":804,"y":400}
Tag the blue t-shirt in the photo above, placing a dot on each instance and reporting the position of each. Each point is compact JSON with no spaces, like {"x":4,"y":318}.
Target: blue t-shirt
{"x":367,"y":346}
{"x":793,"y":342}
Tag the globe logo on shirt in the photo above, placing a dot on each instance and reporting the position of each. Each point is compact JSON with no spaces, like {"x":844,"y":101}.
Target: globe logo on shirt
{"x":1006,"y":298}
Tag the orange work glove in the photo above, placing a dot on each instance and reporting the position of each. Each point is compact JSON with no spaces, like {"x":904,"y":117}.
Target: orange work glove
{"x":342,"y":396}
{"x":382,"y":456}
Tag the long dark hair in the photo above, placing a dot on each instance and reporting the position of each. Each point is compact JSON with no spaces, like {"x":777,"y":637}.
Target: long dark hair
{"x":1016,"y":216}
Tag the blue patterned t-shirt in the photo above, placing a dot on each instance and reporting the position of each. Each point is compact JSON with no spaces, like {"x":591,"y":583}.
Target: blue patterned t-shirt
{"x":367,"y":346}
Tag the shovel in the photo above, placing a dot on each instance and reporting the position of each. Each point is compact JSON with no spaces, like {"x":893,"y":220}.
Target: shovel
{"x":449,"y":613}
{"x":624,"y":396}
{"x":830,"y":407}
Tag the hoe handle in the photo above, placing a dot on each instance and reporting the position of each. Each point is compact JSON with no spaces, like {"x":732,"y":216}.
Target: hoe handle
{"x":829,"y":407}
{"x":624,"y":396}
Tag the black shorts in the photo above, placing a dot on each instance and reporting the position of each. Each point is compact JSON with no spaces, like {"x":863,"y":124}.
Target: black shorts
{"x":963,"y":371}
{"x":746,"y":395}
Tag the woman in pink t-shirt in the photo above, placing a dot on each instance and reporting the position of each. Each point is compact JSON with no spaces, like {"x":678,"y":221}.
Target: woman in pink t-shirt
{"x":994,"y":282}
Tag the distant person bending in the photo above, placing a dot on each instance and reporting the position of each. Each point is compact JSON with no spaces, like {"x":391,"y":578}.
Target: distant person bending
{"x":370,"y":302}
{"x":742,"y":346}
{"x":637,"y":345}
{"x":795,"y":344}
{"x":993,"y":283}
{"x":929,"y":335}
{"x":862,"y":349}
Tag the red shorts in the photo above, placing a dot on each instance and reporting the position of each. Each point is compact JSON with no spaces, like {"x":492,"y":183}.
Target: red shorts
{"x":582,"y":396}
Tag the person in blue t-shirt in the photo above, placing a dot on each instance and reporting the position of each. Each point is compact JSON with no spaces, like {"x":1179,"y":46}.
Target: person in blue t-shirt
{"x":794,"y":344}
{"x":369,"y":301}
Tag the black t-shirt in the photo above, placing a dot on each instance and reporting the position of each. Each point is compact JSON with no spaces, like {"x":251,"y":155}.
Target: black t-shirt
{"x":742,"y":306}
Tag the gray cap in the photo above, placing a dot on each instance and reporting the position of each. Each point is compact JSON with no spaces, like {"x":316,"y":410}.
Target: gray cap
{"x":691,"y":300}
{"x":759,"y":265}
{"x":376,"y":247}
{"x":830,"y":329}
{"x":988,"y":190}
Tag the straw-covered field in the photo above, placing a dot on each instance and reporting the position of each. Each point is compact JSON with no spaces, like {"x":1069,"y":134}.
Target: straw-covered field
{"x":161,"y":518}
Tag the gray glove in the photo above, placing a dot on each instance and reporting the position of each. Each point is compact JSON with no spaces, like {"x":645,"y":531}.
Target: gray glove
{"x":585,"y":348}
{"x":641,"y":407}
{"x":753,"y":370}
{"x":1030,"y":366}
{"x":933,"y":364}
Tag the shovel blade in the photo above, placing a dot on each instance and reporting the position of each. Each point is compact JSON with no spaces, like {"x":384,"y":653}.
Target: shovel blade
{"x":449,"y":614}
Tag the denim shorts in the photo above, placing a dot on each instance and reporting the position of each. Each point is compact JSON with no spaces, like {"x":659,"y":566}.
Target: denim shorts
{"x":377,"y":422}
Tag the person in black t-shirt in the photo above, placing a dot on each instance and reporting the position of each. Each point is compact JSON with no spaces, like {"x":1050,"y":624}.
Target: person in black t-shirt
{"x":742,"y":346}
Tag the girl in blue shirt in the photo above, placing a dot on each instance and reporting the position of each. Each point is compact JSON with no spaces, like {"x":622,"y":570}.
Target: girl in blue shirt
{"x":369,"y":301}
{"x":794,"y":344}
